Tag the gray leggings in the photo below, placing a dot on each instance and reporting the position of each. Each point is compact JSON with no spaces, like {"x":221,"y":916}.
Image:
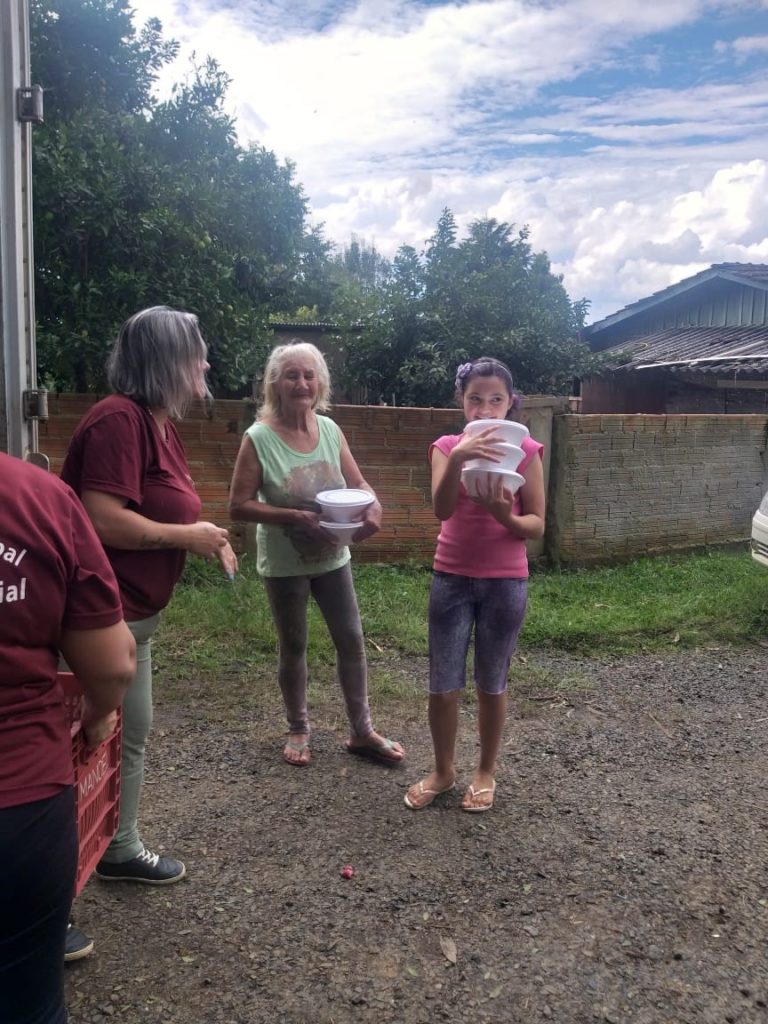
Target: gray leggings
{"x":137,"y":723}
{"x":334,"y":593}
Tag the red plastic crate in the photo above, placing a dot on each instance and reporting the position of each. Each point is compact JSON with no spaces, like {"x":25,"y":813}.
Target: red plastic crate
{"x":97,"y":785}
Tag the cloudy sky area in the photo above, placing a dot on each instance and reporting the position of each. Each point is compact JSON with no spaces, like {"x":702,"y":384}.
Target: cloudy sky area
{"x":630,"y":135}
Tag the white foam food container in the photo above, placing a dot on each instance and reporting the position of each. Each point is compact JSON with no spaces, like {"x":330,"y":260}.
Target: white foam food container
{"x":341,"y":533}
{"x":476,"y":480}
{"x":510,"y":457}
{"x":344,"y":504}
{"x":507,"y":430}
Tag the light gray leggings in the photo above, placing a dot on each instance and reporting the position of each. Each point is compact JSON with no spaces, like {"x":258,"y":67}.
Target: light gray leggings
{"x":334,"y":593}
{"x":137,"y":722}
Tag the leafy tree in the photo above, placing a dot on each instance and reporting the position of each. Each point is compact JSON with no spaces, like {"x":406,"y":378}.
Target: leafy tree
{"x":488,"y":294}
{"x":364,"y":266}
{"x":139,"y":202}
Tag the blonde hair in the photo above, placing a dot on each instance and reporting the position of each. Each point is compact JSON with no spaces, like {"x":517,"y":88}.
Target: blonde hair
{"x":273,"y":371}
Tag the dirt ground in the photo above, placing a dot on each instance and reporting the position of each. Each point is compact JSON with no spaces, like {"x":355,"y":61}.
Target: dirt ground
{"x":621,"y":877}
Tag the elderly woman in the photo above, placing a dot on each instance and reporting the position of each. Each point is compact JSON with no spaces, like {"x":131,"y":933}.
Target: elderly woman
{"x":286,"y":458}
{"x":58,"y":593}
{"x":127,"y":464}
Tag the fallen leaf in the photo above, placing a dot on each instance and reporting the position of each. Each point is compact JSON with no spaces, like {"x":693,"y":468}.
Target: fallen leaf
{"x":448,"y":947}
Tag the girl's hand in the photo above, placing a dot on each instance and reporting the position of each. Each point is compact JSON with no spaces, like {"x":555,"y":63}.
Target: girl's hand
{"x":481,"y":445}
{"x":497,"y":498}
{"x":371,"y":523}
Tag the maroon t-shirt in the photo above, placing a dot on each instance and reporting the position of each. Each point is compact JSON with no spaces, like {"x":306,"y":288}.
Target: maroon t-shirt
{"x":53,"y":575}
{"x":119,"y":449}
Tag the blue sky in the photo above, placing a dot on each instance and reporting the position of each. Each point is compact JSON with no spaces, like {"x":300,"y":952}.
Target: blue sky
{"x":631,"y":136}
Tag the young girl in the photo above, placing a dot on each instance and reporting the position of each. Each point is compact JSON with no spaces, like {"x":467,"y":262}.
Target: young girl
{"x":480,"y":579}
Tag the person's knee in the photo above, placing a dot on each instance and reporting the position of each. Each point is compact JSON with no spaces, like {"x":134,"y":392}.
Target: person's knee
{"x":350,"y":644}
{"x":490,"y":692}
{"x":136,"y":727}
{"x":444,"y":699}
{"x":293,"y":648}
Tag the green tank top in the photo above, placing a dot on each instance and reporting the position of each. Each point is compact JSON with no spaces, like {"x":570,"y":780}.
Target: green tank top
{"x":291,"y":479}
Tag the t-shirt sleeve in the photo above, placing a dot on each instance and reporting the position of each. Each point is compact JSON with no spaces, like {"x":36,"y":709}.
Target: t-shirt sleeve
{"x":114,"y":456}
{"x":93,"y":597}
{"x":444,"y":444}
{"x":531,"y":448}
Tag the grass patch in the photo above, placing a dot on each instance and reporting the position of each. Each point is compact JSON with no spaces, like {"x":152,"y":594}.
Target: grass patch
{"x":651,"y":603}
{"x":214,"y":628}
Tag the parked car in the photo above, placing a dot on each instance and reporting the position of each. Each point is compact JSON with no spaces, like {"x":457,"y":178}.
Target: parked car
{"x":759,"y":543}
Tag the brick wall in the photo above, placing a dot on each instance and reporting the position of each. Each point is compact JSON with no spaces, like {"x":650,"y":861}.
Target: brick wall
{"x":619,"y":485}
{"x":630,"y":485}
{"x":390,"y":445}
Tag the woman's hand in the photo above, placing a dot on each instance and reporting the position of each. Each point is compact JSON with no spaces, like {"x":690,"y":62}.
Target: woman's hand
{"x":307,"y":525}
{"x":228,"y":560}
{"x":371,"y":523}
{"x":480,"y":445}
{"x":206,"y":539}
{"x":97,"y":729}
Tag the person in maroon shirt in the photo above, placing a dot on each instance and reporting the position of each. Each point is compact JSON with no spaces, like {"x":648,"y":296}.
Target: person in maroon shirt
{"x":57,"y":593}
{"x":127,"y":464}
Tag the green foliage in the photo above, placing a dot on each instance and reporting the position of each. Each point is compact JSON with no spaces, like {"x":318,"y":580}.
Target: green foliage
{"x":649,"y":604}
{"x":488,"y":294}
{"x":139,"y":202}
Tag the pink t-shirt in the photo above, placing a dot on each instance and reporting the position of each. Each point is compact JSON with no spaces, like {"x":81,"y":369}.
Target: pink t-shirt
{"x":472,"y":543}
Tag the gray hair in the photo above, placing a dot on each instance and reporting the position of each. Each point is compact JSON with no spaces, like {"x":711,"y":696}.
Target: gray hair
{"x":156,"y":359}
{"x":273,"y":371}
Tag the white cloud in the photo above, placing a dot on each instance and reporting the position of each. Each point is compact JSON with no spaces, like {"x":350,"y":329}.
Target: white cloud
{"x":745,"y":46}
{"x":393,"y":109}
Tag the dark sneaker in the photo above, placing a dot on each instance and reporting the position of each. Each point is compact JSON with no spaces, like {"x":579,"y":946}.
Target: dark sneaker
{"x":147,"y":867}
{"x":76,"y":945}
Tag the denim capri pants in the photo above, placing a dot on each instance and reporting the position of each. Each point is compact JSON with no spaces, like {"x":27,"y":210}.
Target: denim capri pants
{"x":496,"y":609}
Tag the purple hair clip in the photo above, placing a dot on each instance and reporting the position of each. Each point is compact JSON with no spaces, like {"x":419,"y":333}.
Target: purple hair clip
{"x":461,"y":374}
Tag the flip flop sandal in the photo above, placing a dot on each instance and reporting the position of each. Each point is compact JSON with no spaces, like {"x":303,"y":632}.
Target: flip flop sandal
{"x":380,"y":753}
{"x":432,"y":794}
{"x":477,"y":792}
{"x":297,"y":748}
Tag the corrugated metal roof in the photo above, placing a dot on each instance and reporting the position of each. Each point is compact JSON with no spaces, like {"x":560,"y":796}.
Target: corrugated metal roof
{"x":754,"y":271}
{"x":708,"y":349}
{"x":753,"y":274}
{"x":304,"y":325}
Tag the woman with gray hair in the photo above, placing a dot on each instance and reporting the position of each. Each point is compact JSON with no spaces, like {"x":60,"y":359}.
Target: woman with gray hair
{"x":286,"y":458}
{"x":126,"y":463}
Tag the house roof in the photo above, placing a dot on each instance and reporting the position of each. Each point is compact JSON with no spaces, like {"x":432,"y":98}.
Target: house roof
{"x":722,"y":350}
{"x":753,"y":274}
{"x":315,"y":326}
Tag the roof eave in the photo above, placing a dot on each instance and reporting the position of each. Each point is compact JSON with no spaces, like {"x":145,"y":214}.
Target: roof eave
{"x":654,"y":300}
